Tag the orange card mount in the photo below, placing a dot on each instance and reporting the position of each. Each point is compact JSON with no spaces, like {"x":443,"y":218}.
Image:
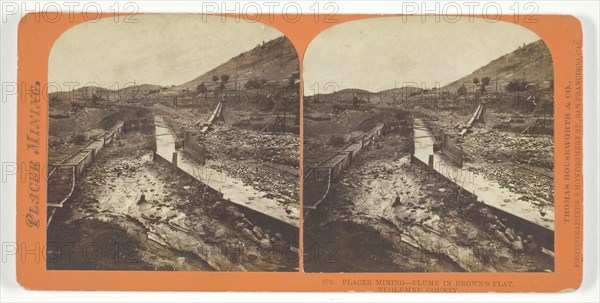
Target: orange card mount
{"x":374,"y":153}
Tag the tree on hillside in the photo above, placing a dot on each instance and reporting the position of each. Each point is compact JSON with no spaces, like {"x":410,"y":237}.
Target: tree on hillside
{"x":462,"y":90}
{"x":224,"y":80}
{"x":201,"y":88}
{"x":215,"y":78}
{"x":485,"y":81}
{"x":476,"y":81}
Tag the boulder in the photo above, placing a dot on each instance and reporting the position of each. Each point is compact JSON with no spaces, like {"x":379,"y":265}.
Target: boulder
{"x":265,"y":243}
{"x":258,"y":232}
{"x":246,"y":232}
{"x":511,"y":234}
{"x":220,"y":232}
{"x":500,"y":235}
{"x":531,"y":248}
{"x":517,"y":246}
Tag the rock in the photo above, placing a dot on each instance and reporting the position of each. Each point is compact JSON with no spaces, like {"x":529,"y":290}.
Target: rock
{"x":472,"y":235}
{"x":217,"y":205}
{"x":471,"y":207}
{"x":258,"y":232}
{"x":187,"y":187}
{"x":246,"y":222}
{"x":442,"y":190}
{"x":485,"y":212}
{"x":500,"y":235}
{"x":512,"y":233}
{"x":490,"y":217}
{"x":220,"y":232}
{"x":251,"y":254}
{"x":246,"y":232}
{"x":531,"y":248}
{"x":233,"y":212}
{"x":517,"y":246}
{"x":265,"y":243}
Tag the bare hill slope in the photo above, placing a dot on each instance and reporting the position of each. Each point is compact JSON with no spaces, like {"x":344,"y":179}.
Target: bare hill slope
{"x":272,"y":60}
{"x":532,"y":63}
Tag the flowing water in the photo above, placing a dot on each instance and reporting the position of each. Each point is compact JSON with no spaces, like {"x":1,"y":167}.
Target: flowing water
{"x":232,"y":189}
{"x":487,"y":191}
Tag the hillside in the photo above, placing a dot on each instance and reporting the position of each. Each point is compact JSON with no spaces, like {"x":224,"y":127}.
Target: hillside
{"x":400,"y":93}
{"x":272,"y":60}
{"x":86,"y":93}
{"x":342,"y":95}
{"x":346,"y":95}
{"x":532,"y":63}
{"x":81,"y":93}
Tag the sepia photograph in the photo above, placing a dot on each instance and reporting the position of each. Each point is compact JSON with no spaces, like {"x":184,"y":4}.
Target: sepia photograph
{"x":173,"y":146}
{"x":329,"y":149}
{"x":428,"y":146}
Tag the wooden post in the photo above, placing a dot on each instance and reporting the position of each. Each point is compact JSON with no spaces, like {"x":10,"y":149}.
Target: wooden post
{"x":444,"y":142}
{"x":154,"y":148}
{"x":430,"y":161}
{"x":174,"y":160}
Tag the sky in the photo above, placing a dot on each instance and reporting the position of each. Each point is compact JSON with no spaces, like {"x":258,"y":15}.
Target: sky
{"x":382,"y":53}
{"x":164,"y":49}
